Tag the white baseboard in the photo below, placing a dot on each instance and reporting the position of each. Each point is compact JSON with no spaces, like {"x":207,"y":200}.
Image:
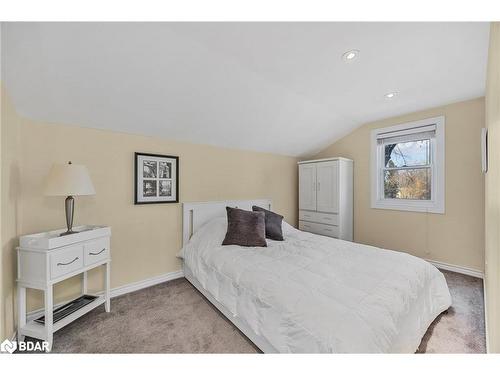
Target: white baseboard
{"x":457,"y":269}
{"x":124,"y":289}
{"x":138,"y":285}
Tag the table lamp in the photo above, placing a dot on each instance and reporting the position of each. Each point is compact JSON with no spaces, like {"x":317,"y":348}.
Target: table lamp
{"x":69,"y":180}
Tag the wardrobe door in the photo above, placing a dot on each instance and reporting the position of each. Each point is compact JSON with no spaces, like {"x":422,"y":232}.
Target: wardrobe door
{"x":307,"y":187}
{"x":327,"y":174}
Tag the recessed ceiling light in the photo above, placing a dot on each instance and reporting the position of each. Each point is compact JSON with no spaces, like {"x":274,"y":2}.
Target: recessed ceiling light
{"x":390,"y":95}
{"x":350,"y":55}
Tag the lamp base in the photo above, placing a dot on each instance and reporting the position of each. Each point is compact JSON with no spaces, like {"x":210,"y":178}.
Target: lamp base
{"x":68,"y":232}
{"x":69,"y":208}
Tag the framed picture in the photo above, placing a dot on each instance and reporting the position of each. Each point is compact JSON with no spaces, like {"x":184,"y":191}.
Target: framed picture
{"x":156,"y":178}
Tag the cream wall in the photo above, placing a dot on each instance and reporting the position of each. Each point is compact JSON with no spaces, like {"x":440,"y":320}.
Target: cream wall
{"x":457,"y":237}
{"x":2,"y":312}
{"x":2,"y":320}
{"x":492,"y":278}
{"x":145,"y":238}
{"x":9,"y":211}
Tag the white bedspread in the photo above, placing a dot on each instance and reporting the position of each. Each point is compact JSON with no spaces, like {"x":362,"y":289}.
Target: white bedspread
{"x":317,"y":294}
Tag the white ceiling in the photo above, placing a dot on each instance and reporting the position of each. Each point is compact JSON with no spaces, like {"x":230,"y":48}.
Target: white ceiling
{"x":276,"y":87}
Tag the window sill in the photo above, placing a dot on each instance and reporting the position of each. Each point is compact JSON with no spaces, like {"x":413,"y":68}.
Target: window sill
{"x":414,"y":206}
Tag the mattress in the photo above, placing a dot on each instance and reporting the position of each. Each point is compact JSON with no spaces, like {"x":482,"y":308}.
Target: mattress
{"x":316,"y":294}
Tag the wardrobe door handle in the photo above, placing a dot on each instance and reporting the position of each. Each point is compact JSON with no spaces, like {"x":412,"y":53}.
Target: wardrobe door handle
{"x":98,"y":252}
{"x":65,"y":264}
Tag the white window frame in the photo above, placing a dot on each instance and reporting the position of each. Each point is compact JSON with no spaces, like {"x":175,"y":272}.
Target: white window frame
{"x":437,"y":202}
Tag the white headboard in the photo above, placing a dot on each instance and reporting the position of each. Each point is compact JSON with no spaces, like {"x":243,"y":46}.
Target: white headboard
{"x":195,"y":214}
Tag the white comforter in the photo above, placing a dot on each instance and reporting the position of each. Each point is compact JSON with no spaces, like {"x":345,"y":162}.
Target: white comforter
{"x":311,"y":293}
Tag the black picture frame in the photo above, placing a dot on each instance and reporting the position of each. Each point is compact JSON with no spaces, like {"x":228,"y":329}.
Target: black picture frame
{"x":137,"y":179}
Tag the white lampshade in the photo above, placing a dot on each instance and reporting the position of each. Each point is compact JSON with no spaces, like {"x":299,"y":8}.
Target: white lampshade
{"x":69,"y":179}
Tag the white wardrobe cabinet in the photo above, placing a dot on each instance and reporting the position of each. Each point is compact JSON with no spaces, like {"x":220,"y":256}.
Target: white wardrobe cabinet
{"x":326,"y":197}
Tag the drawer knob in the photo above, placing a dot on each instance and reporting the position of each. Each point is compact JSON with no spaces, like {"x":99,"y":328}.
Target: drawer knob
{"x":65,"y":264}
{"x":97,"y":252}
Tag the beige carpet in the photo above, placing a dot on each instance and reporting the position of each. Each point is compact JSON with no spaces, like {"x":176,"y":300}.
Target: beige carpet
{"x":174,"y":317}
{"x":461,"y":329}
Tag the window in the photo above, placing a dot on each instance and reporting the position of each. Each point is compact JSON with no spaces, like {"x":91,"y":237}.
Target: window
{"x":408,"y":166}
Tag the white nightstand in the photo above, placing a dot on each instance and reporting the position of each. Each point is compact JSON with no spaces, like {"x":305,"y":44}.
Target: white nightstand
{"x":44,"y":259}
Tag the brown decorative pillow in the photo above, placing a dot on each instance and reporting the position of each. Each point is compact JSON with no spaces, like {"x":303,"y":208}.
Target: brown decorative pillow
{"x":245,"y":228}
{"x":273,"y":223}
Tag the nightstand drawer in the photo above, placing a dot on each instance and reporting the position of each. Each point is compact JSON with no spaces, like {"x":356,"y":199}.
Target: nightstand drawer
{"x":95,"y":251}
{"x":66,"y":260}
{"x":318,"y":217}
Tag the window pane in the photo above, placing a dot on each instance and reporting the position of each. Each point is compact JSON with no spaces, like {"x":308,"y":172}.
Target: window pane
{"x":407,"y":154}
{"x":408,"y":184}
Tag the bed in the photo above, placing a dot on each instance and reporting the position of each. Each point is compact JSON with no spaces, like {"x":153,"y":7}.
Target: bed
{"x":310,"y":293}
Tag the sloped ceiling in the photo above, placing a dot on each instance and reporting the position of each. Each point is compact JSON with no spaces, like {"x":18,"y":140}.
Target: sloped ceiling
{"x":274,"y":87}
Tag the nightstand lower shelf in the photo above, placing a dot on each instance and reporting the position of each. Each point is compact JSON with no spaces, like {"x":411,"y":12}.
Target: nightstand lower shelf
{"x":68,"y":308}
{"x":38,"y":331}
